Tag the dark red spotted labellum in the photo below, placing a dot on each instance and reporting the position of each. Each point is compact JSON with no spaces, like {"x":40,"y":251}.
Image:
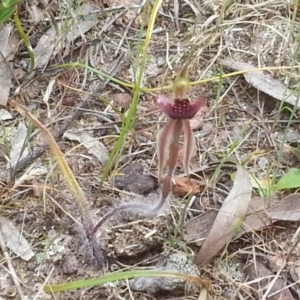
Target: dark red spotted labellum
{"x":180,"y":108}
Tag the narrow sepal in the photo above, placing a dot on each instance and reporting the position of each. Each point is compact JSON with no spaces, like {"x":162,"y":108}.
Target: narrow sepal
{"x":174,"y":148}
{"x":164,"y":139}
{"x":188,"y":144}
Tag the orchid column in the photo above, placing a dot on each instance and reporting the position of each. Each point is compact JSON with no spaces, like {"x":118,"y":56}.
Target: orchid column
{"x":179,"y":110}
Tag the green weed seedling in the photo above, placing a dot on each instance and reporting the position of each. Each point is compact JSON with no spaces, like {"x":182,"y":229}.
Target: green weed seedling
{"x":266,"y":187}
{"x":7,"y":9}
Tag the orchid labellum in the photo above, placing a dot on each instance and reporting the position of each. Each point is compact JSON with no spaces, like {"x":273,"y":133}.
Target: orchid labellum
{"x":179,"y":111}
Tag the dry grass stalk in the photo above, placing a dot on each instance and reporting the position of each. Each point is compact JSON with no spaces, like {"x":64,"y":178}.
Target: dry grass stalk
{"x":81,"y":201}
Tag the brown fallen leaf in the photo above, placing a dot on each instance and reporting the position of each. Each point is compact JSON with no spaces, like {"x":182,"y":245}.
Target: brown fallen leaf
{"x":258,"y":216}
{"x":8,"y":42}
{"x":233,"y":210}
{"x":14,"y":239}
{"x":184,"y":186}
{"x":198,"y":228}
{"x":288,"y":209}
{"x":261,"y":213}
{"x":93,"y":146}
{"x":264,"y":82}
{"x":62,"y":36}
{"x":19,"y":149}
{"x":258,"y":270}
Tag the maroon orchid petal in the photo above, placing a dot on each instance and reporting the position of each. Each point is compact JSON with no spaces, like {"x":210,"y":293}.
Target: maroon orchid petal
{"x":181,"y":108}
{"x":174,"y":147}
{"x":164,"y":104}
{"x":164,"y":139}
{"x":188,"y":144}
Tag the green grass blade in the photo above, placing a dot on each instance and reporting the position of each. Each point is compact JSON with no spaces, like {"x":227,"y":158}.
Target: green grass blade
{"x":6,"y":13}
{"x":9,"y":3}
{"x":25,"y":40}
{"x":130,"y":119}
{"x":121,"y":276}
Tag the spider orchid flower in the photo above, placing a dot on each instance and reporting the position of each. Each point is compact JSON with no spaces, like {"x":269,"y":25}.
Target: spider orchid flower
{"x":179,"y":111}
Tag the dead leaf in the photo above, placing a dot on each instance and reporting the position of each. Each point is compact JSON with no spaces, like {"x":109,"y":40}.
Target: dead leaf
{"x":94,"y":146}
{"x":288,"y":209}
{"x":33,"y":172}
{"x":234,"y":208}
{"x":184,"y":186}
{"x":257,"y":216}
{"x":261,"y":213}
{"x":8,"y":43}
{"x":52,"y":42}
{"x":264,"y":82}
{"x":14,"y":240}
{"x":198,"y":228}
{"x":256,"y":271}
{"x":5,"y":115}
{"x":18,"y":151}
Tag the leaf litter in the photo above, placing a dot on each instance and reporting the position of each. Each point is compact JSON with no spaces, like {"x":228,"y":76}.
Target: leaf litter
{"x":63,"y":35}
{"x":5,"y":115}
{"x":94,"y":146}
{"x":228,"y":219}
{"x":14,"y":239}
{"x":19,"y":148}
{"x":257,"y":270}
{"x":8,"y":41}
{"x":53,"y":208}
{"x":264,"y":82}
{"x":262,"y":212}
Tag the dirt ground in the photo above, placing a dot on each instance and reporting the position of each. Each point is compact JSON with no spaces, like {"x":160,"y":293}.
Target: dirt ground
{"x":35,"y":198}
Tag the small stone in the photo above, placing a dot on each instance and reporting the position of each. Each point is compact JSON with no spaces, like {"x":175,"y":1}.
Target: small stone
{"x":176,"y":262}
{"x":70,"y":265}
{"x":122,"y":100}
{"x":68,"y":101}
{"x":134,"y":179}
